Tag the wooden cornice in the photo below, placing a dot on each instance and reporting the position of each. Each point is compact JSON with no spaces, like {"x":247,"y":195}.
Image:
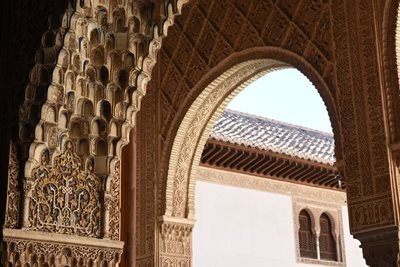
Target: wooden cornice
{"x":263,"y":163}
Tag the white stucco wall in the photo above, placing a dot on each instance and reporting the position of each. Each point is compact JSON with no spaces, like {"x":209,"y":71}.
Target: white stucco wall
{"x":353,"y":251}
{"x":239,"y":227}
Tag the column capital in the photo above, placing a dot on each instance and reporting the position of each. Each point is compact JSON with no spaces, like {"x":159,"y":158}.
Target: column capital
{"x":380,"y":246}
{"x":175,"y":241}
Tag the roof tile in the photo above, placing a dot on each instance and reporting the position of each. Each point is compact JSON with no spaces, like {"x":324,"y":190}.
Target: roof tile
{"x":279,"y":137}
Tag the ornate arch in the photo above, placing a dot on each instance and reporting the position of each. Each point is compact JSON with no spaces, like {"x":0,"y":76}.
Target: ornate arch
{"x":387,"y":24}
{"x":192,"y":59}
{"x":199,"y":119}
{"x":196,"y":126}
{"x":186,"y":66}
{"x":104,"y":53}
{"x":334,"y":51}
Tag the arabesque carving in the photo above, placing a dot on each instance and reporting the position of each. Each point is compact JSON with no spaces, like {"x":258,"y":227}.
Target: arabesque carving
{"x":196,"y":127}
{"x":86,"y":87}
{"x":13,"y":194}
{"x":93,"y":71}
{"x":112,"y":202}
{"x":25,"y":248}
{"x":175,"y":244}
{"x":232,"y":178}
{"x":63,"y":198}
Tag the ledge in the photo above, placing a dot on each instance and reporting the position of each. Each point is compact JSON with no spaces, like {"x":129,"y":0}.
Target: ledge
{"x":178,"y":220}
{"x":320,"y":262}
{"x":61,"y":239}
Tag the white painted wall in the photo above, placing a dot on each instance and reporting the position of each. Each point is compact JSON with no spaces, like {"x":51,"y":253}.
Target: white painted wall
{"x":238,"y":227}
{"x":353,"y":251}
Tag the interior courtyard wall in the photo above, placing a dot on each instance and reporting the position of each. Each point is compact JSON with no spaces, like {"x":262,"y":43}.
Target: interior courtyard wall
{"x":246,"y":220}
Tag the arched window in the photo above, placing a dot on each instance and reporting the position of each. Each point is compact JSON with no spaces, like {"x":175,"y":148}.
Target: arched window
{"x":327,"y":244}
{"x":308,"y":248}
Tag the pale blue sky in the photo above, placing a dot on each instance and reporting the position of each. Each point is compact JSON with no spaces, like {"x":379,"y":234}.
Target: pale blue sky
{"x":285,"y":95}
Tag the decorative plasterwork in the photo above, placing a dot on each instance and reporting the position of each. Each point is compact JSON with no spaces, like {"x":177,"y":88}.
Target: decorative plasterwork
{"x":360,"y":92}
{"x":13,"y":194}
{"x":316,"y":207}
{"x":86,"y":89}
{"x":348,"y":69}
{"x":269,"y":185}
{"x":146,"y":188}
{"x":109,"y":51}
{"x":387,"y":24}
{"x":175,"y":242}
{"x":31,"y":248}
{"x":63,"y":198}
{"x":196,"y":127}
{"x":99,"y":79}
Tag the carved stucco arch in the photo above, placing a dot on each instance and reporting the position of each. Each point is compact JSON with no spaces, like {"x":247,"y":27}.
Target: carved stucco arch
{"x":200,"y":44}
{"x":348,"y":66}
{"x":195,"y":127}
{"x":388,"y":39}
{"x":388,"y":28}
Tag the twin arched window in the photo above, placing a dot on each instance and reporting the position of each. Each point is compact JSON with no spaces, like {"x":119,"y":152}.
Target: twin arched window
{"x":326,"y":248}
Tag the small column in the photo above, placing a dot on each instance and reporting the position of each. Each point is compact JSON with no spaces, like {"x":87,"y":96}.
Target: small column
{"x":380,"y":247}
{"x":175,"y":242}
{"x":317,"y":244}
{"x":339,"y":255}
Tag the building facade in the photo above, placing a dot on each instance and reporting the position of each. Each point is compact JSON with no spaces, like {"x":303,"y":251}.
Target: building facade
{"x":268,"y":194}
{"x":106,"y":106}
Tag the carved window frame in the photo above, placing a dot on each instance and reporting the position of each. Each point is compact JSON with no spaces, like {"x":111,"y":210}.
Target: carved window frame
{"x":315,"y":210}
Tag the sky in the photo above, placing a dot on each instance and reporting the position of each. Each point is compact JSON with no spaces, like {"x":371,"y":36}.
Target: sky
{"x":284,"y":95}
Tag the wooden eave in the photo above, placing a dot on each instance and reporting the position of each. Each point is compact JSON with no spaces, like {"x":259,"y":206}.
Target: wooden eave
{"x":267,"y":164}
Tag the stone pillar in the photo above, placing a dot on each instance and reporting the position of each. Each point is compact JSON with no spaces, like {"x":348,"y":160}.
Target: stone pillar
{"x":369,"y":172}
{"x":175,"y":242}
